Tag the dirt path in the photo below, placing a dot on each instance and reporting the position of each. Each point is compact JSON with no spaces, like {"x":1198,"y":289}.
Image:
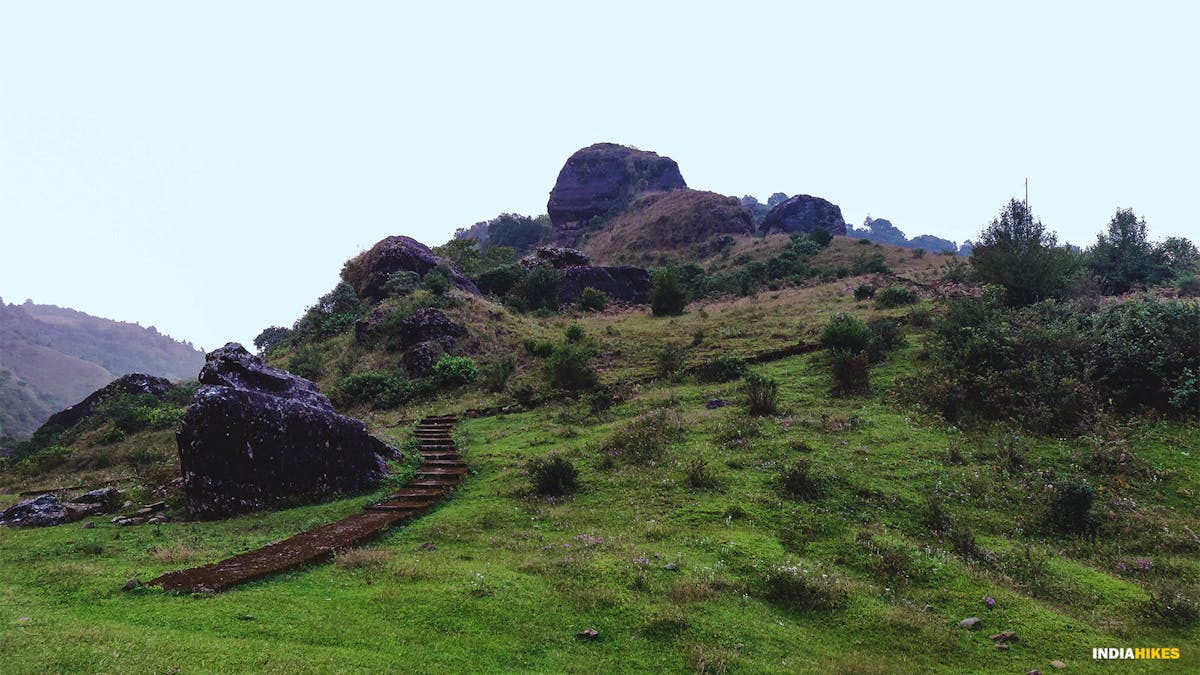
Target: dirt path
{"x":441,"y":470}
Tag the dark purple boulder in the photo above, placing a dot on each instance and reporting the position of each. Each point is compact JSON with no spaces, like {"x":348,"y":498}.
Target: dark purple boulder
{"x":41,"y":511}
{"x":624,"y":285}
{"x":429,"y":324}
{"x":369,"y":271}
{"x":804,"y":213}
{"x":605,"y":176}
{"x":418,"y":360}
{"x":255,"y":436}
{"x":135,"y":383}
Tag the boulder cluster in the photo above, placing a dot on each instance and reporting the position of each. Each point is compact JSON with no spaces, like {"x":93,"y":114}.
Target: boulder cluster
{"x":255,"y":436}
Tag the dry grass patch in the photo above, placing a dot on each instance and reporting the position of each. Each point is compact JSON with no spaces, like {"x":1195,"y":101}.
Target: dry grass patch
{"x":362,"y":558}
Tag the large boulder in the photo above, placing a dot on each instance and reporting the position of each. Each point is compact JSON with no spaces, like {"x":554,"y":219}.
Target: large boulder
{"x":429,"y":324}
{"x":41,"y":511}
{"x":135,"y":383}
{"x":369,"y":271}
{"x":802,"y":214}
{"x":255,"y":436}
{"x":624,"y":285}
{"x":605,"y":176}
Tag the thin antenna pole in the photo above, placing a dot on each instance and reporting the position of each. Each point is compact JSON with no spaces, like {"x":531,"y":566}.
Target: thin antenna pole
{"x":1026,"y":193}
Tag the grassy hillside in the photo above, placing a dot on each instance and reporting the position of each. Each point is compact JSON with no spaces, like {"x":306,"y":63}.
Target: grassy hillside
{"x":846,"y":534}
{"x":52,"y":357}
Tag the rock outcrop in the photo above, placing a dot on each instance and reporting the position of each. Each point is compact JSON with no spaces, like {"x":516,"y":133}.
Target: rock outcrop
{"x":255,"y":437}
{"x":680,"y":222}
{"x":429,"y":324}
{"x":802,"y":214}
{"x":136,"y":383}
{"x":605,"y":176}
{"x":625,"y":285}
{"x":41,"y":511}
{"x":369,"y":271}
{"x":556,"y":256}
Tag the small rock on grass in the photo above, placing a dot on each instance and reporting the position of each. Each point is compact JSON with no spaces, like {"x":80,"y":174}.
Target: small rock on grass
{"x":132,"y":584}
{"x":589,"y":634}
{"x":1058,"y":664}
{"x":1035,"y":671}
{"x":971,"y":623}
{"x":1006,"y":636}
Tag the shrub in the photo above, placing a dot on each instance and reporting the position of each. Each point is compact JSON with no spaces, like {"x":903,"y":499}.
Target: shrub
{"x":1017,"y":252}
{"x":437,"y":281}
{"x":524,"y":394}
{"x":643,"y":440}
{"x":868,"y":263}
{"x":797,"y":480}
{"x":886,"y":337}
{"x":845,"y":332}
{"x":272,"y":338}
{"x":802,"y":587}
{"x":1170,"y":606}
{"x":553,"y":477}
{"x":851,"y":372}
{"x":920,"y":317}
{"x":821,"y":237}
{"x":538,"y":289}
{"x":455,"y":369}
{"x":592,"y":300}
{"x":499,"y":281}
{"x":864,"y":292}
{"x":495,"y":375}
{"x":376,"y":388}
{"x":895,"y":295}
{"x":537,"y":347}
{"x":1071,"y":508}
{"x":721,"y":369}
{"x":1188,"y":286}
{"x":670,"y":360}
{"x":698,"y":337}
{"x":762,"y":394}
{"x":400,"y":284}
{"x":574,"y":333}
{"x":667,"y":296}
{"x":1147,"y":354}
{"x":698,"y":475}
{"x":306,"y":362}
{"x":569,"y":367}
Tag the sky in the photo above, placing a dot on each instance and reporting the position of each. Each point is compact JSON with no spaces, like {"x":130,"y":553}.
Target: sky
{"x":206,"y":168}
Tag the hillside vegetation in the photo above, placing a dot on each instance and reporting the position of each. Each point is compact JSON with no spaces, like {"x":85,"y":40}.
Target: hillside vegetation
{"x":830,"y":457}
{"x":53,"y":357}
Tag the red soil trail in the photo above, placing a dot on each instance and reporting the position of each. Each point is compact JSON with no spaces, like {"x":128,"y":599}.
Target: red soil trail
{"x":442,"y":469}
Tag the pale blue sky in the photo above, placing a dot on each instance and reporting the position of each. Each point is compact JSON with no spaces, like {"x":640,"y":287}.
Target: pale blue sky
{"x":207,"y":168}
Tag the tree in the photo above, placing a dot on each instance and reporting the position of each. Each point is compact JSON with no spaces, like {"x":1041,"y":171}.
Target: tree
{"x":270,"y":338}
{"x":519,"y":232}
{"x":667,"y":296}
{"x":1018,"y":253}
{"x":1123,"y":256}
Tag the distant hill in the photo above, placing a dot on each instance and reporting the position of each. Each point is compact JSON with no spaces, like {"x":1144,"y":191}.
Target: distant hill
{"x":52,"y":357}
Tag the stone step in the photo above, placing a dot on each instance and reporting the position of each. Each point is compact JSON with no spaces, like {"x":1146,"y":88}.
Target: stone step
{"x":445,"y":483}
{"x":416,"y":493}
{"x":443,"y":463}
{"x":441,"y":471}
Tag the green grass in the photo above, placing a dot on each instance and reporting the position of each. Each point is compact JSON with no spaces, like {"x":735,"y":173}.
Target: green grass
{"x":512,"y":578}
{"x":497,"y":579}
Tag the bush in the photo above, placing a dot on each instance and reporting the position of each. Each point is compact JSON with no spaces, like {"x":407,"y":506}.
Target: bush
{"x":306,"y":362}
{"x":886,"y":337}
{"x":592,"y":300}
{"x":376,"y":388}
{"x":698,"y":475}
{"x":272,"y":338}
{"x":1071,"y":508}
{"x":920,"y":317}
{"x":643,"y":440}
{"x":847,"y":333}
{"x":569,"y":367}
{"x":537,"y":347}
{"x":895,"y":295}
{"x":574,"y":333}
{"x":1171,"y":606}
{"x":400,"y":284}
{"x":864,"y":292}
{"x":553,"y":477}
{"x":667,"y":296}
{"x":802,"y":587}
{"x":495,"y":375}
{"x":822,"y":237}
{"x":455,"y":369}
{"x":1017,"y":252}
{"x":670,"y":360}
{"x":1147,"y":354}
{"x":538,"y":289}
{"x":762,"y":394}
{"x":851,"y":372}
{"x":868,"y":263}
{"x":721,"y":369}
{"x":796,"y":480}
{"x":497,"y":282}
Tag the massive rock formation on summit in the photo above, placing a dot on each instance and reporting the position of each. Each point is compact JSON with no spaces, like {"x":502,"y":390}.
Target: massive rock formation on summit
{"x":255,"y":437}
{"x":602,"y":177}
{"x":804,"y":213}
{"x":369,"y":271}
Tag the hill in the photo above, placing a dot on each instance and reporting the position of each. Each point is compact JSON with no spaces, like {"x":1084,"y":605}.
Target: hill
{"x":51,"y":357}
